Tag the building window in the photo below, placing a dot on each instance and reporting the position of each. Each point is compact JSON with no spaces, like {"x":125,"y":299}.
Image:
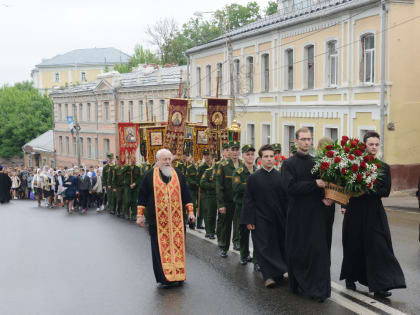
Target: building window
{"x":74,"y":147}
{"x":52,"y":163}
{"x":150,"y":110}
{"x":67,"y":146}
{"x":121,"y":111}
{"x":332,"y":64}
{"x":106,"y":110}
{"x":57,"y":77}
{"x":80,"y":112}
{"x":250,"y":134}
{"x":141,"y":110}
{"x":265,"y":68}
{"x":367,"y":62}
{"x":95,"y":152}
{"x":220,"y":78}
{"x":44,"y":162}
{"x":208,"y":80}
{"x":66,"y":110}
{"x":250,"y":74}
{"x":162,"y":110}
{"x":289,"y":70}
{"x":29,"y":160}
{"x":83,"y":76}
{"x":198,"y":81}
{"x":131,"y":112}
{"x":106,"y":147}
{"x":289,"y":134}
{"x":82,"y":148}
{"x":237,"y":77}
{"x":266,"y":134}
{"x":332,"y":133}
{"x":60,"y":144}
{"x":88,"y":111}
{"x":363,"y":131}
{"x":309,"y":67}
{"x":59,"y":113}
{"x":89,"y":147}
{"x":74,"y":111}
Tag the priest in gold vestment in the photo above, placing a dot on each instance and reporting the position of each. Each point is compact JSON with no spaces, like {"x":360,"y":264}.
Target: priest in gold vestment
{"x":163,"y":200}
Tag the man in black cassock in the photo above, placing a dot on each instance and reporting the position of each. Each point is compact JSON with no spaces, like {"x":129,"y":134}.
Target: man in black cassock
{"x":308,"y":223}
{"x":264,"y":214}
{"x":367,"y":247}
{"x":5,"y":186}
{"x":162,"y":197}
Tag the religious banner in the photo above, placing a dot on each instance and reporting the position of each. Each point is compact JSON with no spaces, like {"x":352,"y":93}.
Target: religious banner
{"x":128,"y":140}
{"x":217,"y":123}
{"x":201,"y":142}
{"x":154,"y":141}
{"x":175,"y":132}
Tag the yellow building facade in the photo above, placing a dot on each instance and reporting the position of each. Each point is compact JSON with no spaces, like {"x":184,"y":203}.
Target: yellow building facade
{"x":320,"y":68}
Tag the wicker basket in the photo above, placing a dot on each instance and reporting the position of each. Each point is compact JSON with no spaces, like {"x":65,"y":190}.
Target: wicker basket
{"x":337,"y":194}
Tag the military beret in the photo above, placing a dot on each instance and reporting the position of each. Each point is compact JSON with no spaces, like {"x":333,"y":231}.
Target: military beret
{"x":247,"y":147}
{"x":110,"y":155}
{"x":277,"y":147}
{"x":293,"y":148}
{"x":234,"y":144}
{"x":206,"y":151}
{"x":225,"y":145}
{"x":117,"y":157}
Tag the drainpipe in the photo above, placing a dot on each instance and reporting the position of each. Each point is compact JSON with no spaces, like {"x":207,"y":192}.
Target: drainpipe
{"x":382,"y":101}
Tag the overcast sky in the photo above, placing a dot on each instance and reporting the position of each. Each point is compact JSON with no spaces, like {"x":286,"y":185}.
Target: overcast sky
{"x":32,"y":30}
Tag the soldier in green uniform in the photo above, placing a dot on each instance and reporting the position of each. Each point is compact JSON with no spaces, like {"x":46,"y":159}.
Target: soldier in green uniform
{"x":118,"y":186}
{"x":132,"y":181}
{"x":225,"y":157}
{"x":201,"y":169}
{"x":224,"y":196}
{"x":193,"y":182}
{"x":277,"y":154}
{"x":182,"y":164}
{"x":106,"y":180}
{"x":208,"y":200}
{"x":239,"y":178}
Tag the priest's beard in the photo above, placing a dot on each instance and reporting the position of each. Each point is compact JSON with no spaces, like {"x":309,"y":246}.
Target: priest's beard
{"x":166,"y":171}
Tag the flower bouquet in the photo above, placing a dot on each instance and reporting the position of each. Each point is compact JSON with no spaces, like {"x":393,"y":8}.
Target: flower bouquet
{"x":278,"y":160}
{"x":348,"y":169}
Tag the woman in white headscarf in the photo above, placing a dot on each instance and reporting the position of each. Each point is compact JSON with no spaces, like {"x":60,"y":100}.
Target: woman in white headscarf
{"x":37,"y":184}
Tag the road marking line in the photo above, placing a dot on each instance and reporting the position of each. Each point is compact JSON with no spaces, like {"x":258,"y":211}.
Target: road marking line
{"x":366,"y":299}
{"x":337,"y":298}
{"x":350,"y":305}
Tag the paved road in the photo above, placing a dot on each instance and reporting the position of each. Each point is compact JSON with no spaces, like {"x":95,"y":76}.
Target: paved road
{"x":54,"y":263}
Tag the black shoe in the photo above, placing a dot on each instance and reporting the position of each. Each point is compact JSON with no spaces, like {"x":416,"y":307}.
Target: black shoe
{"x":223,"y":253}
{"x":207,"y":235}
{"x":243,"y":261}
{"x":257,"y":268}
{"x":200,"y":227}
{"x":236,"y":247}
{"x":212,"y":237}
{"x":350,"y":285}
{"x":249,"y":259}
{"x":318,"y":299}
{"x":382,"y":294}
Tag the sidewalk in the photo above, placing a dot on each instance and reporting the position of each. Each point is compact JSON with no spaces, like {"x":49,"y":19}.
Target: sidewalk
{"x":404,"y":200}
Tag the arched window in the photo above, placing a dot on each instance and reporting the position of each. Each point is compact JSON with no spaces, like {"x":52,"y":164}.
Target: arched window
{"x":367,"y":59}
{"x":288,"y":56}
{"x":250,"y":74}
{"x":332,"y":63}
{"x":265,"y":69}
{"x":309,"y":67}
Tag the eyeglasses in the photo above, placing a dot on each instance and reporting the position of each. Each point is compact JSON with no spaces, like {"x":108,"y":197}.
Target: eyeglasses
{"x":305,"y":139}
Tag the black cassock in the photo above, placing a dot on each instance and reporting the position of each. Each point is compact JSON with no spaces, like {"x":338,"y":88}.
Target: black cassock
{"x":5,"y":186}
{"x":308,"y":229}
{"x":147,"y":198}
{"x":264,"y":207}
{"x":367,"y":247}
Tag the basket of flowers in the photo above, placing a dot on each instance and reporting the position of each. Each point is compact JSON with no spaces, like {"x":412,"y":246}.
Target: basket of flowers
{"x":348,"y":169}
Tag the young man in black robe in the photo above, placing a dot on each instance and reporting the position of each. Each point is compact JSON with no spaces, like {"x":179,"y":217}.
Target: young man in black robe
{"x":367,"y":247}
{"x":5,"y":186}
{"x":162,"y":197}
{"x":308,"y":223}
{"x":264,"y":214}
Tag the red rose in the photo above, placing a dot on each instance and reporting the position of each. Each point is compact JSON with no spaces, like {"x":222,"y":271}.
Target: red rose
{"x":343,"y":143}
{"x":354,"y":143}
{"x":329,"y":147}
{"x":375,"y":181}
{"x":378,"y":165}
{"x":355,"y":167}
{"x":359,"y":177}
{"x":366,"y":158}
{"x":330,"y":154}
{"x":358,"y":152}
{"x":347,"y":149}
{"x":362,"y":147}
{"x":351,"y":157}
{"x":344,"y":138}
{"x":276,"y":158}
{"x":363,"y":165}
{"x":343,"y":171}
{"x":325,"y":165}
{"x":259,"y":162}
{"x":337,"y":159}
{"x":369,"y":185}
{"x":276,"y":163}
{"x":283,"y":158}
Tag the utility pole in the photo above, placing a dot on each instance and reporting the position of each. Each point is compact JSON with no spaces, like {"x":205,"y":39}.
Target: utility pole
{"x":382,"y":101}
{"x":232,"y":83}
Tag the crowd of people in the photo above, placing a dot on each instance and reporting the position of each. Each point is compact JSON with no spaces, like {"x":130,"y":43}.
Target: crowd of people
{"x":278,"y":202}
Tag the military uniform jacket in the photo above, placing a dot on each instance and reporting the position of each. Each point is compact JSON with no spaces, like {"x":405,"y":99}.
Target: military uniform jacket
{"x":181,"y":166}
{"x":224,"y":194}
{"x":192,"y":178}
{"x":239,"y":178}
{"x":107,"y":171}
{"x":132,"y":175}
{"x":208,"y":182}
{"x":117,"y":176}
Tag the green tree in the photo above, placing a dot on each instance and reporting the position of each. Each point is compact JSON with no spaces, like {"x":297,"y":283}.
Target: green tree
{"x":24,"y":115}
{"x":140,"y":56}
{"x":272,"y":7}
{"x":235,"y":15}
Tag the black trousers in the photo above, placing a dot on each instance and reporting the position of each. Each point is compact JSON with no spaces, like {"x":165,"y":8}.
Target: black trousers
{"x":83,"y":196}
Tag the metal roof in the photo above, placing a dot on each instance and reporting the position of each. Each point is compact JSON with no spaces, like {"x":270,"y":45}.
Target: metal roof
{"x":298,"y":13}
{"x":43,"y":143}
{"x":89,"y":56}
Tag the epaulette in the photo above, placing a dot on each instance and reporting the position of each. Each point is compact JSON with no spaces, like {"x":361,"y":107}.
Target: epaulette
{"x":224,"y":163}
{"x":239,"y":170}
{"x":209,"y":168}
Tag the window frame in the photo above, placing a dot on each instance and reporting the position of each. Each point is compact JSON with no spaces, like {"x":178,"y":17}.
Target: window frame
{"x":208,"y":80}
{"x":83,"y":77}
{"x":363,"y":58}
{"x":198,"y":77}
{"x":289,"y":69}
{"x":251,"y":138}
{"x":250,"y":73}
{"x":330,"y":59}
{"x":56,"y":77}
{"x":219,"y":75}
{"x":306,"y":67}
{"x":265,"y":72}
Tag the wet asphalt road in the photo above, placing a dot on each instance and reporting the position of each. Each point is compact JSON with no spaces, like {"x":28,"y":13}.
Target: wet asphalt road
{"x":54,"y":263}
